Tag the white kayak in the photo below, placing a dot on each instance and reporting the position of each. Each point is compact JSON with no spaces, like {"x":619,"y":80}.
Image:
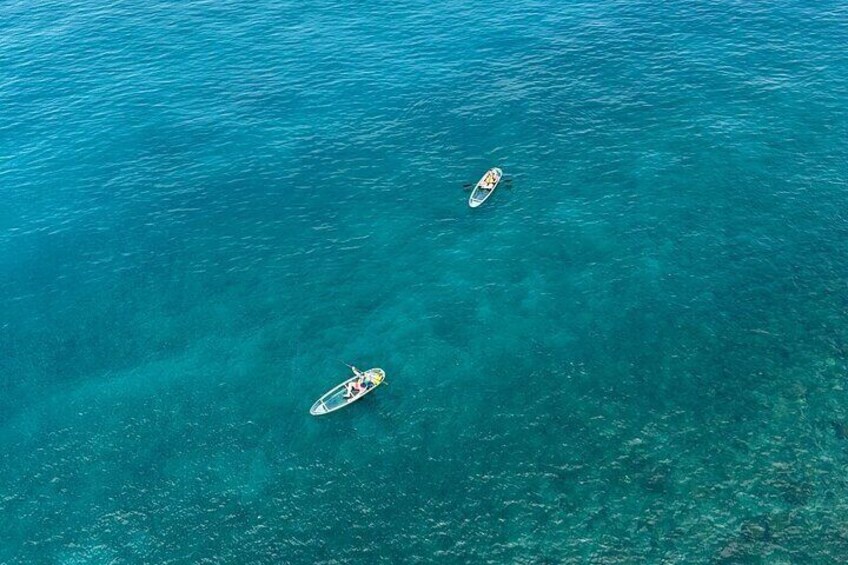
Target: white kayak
{"x":341,"y":396}
{"x":485,"y":187}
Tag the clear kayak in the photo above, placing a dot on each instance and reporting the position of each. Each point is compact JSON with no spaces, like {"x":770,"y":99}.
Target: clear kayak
{"x":485,"y":187}
{"x":348,"y":392}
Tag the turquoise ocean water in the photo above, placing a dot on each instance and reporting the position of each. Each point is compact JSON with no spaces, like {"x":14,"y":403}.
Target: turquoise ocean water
{"x":637,"y":353}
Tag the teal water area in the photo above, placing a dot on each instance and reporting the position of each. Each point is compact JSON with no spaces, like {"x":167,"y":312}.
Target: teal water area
{"x":636,"y":353}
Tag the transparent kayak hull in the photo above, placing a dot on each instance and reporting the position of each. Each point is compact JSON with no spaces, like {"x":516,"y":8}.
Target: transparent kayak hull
{"x":337,"y":398}
{"x":481,"y":192}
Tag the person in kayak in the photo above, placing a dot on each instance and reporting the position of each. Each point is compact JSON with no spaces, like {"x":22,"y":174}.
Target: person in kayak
{"x":490,"y":179}
{"x":355,"y":387}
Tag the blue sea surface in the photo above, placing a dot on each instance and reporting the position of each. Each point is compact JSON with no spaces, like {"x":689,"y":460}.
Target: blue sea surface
{"x":634,"y":352}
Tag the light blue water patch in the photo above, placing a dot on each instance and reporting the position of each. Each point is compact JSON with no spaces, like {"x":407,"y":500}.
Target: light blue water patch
{"x":633,"y":352}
